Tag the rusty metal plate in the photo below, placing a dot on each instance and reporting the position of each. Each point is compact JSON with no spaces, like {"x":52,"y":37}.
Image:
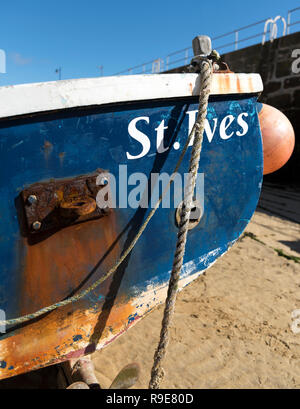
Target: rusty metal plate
{"x":62,"y":202}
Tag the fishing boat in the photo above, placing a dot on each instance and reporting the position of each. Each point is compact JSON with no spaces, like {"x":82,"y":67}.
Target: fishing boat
{"x":76,"y":185}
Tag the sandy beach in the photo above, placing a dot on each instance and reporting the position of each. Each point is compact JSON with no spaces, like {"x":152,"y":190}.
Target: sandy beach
{"x":233,"y":326}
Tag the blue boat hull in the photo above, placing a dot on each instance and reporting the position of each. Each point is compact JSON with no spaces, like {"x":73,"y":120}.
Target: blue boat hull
{"x":35,"y":273}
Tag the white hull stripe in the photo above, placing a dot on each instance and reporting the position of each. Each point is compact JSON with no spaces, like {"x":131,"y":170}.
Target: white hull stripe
{"x":48,"y":96}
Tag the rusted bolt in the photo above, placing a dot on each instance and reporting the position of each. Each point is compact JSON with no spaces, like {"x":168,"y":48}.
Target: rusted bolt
{"x":36,"y":225}
{"x":103,"y":181}
{"x":32,"y":199}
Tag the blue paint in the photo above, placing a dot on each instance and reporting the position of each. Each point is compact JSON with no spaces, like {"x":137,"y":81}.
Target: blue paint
{"x":100,"y":139}
{"x":3,"y":364}
{"x":132,"y":317}
{"x":77,"y":338}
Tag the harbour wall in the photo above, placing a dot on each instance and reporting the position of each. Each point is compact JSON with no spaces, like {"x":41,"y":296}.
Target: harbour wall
{"x":278,"y":63}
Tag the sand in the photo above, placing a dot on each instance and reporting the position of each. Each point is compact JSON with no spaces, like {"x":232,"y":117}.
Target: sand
{"x":232,"y":327}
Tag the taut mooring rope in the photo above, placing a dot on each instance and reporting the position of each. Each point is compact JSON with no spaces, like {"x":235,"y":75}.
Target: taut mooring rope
{"x":157,"y":373}
{"x":206,"y":68}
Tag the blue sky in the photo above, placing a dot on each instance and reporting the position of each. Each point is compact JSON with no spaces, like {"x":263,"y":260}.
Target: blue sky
{"x":38,"y":35}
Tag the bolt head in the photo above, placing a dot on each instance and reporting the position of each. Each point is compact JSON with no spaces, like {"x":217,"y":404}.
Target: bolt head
{"x":32,"y":199}
{"x":36,"y":225}
{"x":104,"y":181}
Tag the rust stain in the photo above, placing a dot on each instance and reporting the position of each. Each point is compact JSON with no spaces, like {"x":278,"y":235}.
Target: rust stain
{"x":226,"y":88}
{"x":47,"y":148}
{"x":47,"y":145}
{"x":230,"y":83}
{"x":61,"y":156}
{"x":250,"y":84}
{"x":57,"y":265}
{"x":54,"y":268}
{"x":238,"y":84}
{"x":51,"y":340}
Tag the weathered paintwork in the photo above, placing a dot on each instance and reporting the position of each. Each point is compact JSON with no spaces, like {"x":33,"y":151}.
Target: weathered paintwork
{"x":37,"y":273}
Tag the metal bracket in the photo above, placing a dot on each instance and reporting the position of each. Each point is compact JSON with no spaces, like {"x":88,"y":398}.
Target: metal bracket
{"x":62,"y":202}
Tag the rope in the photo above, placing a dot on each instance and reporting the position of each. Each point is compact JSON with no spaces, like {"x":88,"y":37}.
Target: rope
{"x":80,"y":295}
{"x":157,"y":373}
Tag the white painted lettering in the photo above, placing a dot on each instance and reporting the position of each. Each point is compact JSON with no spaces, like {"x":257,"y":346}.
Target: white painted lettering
{"x":243,"y":124}
{"x":160,"y":131}
{"x":139,"y":136}
{"x":225,"y":124}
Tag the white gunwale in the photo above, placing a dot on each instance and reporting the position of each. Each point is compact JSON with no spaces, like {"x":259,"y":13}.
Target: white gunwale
{"x":27,"y":99}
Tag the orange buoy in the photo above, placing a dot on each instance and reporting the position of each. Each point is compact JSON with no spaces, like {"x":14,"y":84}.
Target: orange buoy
{"x":278,"y":138}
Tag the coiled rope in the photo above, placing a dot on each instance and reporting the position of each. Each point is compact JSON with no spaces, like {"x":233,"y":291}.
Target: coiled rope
{"x":205,"y":74}
{"x":157,"y":373}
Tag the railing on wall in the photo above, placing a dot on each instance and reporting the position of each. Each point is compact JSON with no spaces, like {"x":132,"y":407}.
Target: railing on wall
{"x":266,"y":30}
{"x":291,"y":24}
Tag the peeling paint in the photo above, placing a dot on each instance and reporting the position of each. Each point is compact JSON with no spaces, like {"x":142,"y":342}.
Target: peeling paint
{"x":64,"y":262}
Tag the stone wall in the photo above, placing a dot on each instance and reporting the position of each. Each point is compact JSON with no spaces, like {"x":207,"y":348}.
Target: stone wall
{"x":281,"y":88}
